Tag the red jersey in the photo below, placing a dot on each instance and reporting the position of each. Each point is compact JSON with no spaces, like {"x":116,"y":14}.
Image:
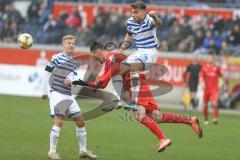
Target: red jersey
{"x":211,"y":75}
{"x":112,"y":68}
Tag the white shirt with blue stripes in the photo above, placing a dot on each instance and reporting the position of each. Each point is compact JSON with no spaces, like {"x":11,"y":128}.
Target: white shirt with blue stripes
{"x":143,"y":33}
{"x":61,"y":66}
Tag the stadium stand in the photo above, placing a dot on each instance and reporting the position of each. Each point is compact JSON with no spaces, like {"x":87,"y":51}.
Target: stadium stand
{"x":178,"y":33}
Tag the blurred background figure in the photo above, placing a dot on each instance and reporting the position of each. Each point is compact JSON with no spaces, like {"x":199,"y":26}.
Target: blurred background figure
{"x":209,"y":79}
{"x":191,"y":78}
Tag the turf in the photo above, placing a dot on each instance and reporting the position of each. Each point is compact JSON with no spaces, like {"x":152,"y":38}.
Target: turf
{"x":25,"y":126}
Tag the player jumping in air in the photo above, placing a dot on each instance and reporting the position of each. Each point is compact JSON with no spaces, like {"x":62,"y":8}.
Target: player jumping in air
{"x":148,"y":112}
{"x":209,"y":77}
{"x":141,"y":28}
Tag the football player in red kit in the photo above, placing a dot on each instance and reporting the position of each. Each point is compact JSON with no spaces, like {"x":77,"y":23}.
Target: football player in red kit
{"x":209,"y":77}
{"x":147,"y":112}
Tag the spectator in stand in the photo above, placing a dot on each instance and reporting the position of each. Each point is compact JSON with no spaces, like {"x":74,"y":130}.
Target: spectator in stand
{"x":43,"y":13}
{"x":99,"y":23}
{"x":187,"y":45}
{"x":163,"y":46}
{"x":84,"y":35}
{"x":6,"y":32}
{"x":83,"y":16}
{"x":209,"y":40}
{"x":175,"y":38}
{"x":178,"y":32}
{"x":74,"y":19}
{"x":234,"y":37}
{"x":225,"y":49}
{"x":198,"y":39}
{"x":50,"y":32}
{"x":3,"y":3}
{"x":62,"y":18}
{"x":11,"y":14}
{"x":33,"y":11}
{"x":14,"y":31}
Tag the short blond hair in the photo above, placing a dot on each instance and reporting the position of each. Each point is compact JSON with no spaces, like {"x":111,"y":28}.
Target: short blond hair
{"x":69,"y":36}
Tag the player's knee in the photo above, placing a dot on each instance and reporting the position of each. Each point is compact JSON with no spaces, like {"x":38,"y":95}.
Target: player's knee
{"x":135,"y":80}
{"x":156,"y":115}
{"x":135,"y":67}
{"x":80,"y":122}
{"x":124,"y":69}
{"x":58,"y":122}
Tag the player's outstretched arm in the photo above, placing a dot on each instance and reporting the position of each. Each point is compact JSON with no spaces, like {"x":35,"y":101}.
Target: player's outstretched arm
{"x":156,"y":20}
{"x":80,"y":83}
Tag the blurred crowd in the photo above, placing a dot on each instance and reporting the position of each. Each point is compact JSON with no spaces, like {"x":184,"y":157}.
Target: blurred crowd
{"x":180,"y":33}
{"x":199,"y":33}
{"x":189,"y":3}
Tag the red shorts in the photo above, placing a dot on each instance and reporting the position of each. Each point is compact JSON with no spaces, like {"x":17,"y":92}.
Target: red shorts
{"x":149,"y":105}
{"x":210,"y":96}
{"x":145,"y":96}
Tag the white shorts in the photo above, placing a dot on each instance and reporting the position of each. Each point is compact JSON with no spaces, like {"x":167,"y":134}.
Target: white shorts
{"x":63,"y":105}
{"x":146,"y":56}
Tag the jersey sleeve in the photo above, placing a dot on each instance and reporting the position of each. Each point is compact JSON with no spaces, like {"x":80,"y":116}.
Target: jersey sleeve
{"x":129,"y":25}
{"x":51,"y":64}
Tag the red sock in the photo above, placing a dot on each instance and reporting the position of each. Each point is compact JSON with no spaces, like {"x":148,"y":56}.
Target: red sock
{"x":152,"y":125}
{"x":205,"y":112}
{"x":215,"y":112}
{"x":169,"y":117}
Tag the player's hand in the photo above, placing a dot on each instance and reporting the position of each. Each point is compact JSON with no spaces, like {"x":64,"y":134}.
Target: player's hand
{"x":202,"y":85}
{"x":152,"y":13}
{"x":44,"y":96}
{"x":97,"y":85}
{"x":66,"y":81}
{"x":80,"y":83}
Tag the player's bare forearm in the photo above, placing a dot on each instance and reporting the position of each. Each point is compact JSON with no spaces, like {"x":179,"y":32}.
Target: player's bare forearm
{"x":127,"y":38}
{"x":157,"y":21}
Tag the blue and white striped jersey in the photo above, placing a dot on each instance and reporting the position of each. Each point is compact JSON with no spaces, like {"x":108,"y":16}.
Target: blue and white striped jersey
{"x":61,"y":66}
{"x":143,"y":33}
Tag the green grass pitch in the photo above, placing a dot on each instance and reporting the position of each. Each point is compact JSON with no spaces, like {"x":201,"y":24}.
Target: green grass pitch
{"x":25,"y":125}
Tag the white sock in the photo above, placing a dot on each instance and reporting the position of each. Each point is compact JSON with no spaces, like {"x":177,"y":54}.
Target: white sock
{"x":118,"y":84}
{"x":135,"y":87}
{"x":82,"y":138}
{"x":54,"y":135}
